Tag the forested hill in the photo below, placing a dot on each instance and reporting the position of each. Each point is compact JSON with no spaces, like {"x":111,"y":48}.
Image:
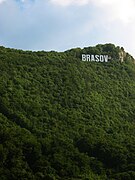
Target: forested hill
{"x":65,"y":119}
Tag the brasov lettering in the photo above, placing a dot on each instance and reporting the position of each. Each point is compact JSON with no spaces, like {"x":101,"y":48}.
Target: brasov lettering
{"x":96,"y":58}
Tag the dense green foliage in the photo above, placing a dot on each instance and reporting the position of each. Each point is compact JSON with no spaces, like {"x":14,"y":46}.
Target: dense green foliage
{"x":65,"y":119}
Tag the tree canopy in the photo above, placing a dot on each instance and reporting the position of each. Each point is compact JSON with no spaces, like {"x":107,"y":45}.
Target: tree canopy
{"x":62,"y":118}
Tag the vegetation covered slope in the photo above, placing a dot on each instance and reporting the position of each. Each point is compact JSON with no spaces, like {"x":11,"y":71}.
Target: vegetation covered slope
{"x":65,"y":119}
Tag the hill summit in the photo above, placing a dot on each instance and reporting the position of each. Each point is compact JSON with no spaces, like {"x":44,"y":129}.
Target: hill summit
{"x":115,"y":53}
{"x":65,"y":119}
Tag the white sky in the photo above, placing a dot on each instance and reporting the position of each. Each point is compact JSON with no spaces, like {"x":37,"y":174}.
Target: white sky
{"x":63,"y":24}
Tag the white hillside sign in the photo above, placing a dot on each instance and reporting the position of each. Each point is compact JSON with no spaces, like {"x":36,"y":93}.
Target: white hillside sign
{"x":96,"y":58}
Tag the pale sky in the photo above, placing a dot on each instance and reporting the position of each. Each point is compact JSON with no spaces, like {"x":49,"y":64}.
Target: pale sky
{"x":64,"y":24}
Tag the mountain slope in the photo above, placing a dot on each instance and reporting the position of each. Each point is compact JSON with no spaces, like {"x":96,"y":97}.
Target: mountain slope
{"x":62,"y":118}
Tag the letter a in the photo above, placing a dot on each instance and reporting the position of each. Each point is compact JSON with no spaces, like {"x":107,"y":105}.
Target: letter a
{"x":92,"y":58}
